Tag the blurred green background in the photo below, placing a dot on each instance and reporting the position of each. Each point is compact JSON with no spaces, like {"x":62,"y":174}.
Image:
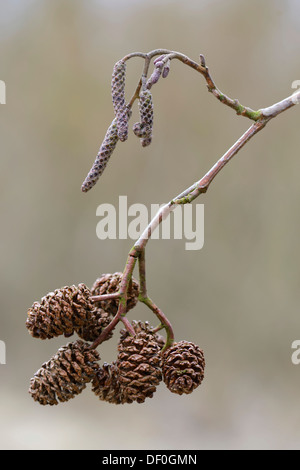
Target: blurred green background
{"x":238,"y":297}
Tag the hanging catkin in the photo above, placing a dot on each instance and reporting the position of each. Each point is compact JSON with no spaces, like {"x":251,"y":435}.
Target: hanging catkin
{"x":118,"y":99}
{"x":107,"y":147}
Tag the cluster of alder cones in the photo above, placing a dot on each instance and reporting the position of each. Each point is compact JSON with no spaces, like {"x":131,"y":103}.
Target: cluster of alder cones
{"x":142,"y":360}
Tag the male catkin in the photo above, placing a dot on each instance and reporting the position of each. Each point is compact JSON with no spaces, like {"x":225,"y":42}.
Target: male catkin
{"x":118,"y":99}
{"x":144,"y":128}
{"x":107,"y":147}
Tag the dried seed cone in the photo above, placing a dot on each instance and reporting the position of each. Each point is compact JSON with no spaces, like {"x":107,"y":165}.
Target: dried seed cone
{"x":110,"y":283}
{"x":118,"y":99}
{"x":139,"y":326}
{"x":139,"y":362}
{"x":183,"y":367}
{"x":98,"y":321}
{"x":60,"y":312}
{"x":65,"y":375}
{"x":144,"y":128}
{"x":106,"y":385}
{"x":107,"y":147}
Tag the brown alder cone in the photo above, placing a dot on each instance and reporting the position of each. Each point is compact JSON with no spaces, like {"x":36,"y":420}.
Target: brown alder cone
{"x":139,"y":362}
{"x":106,"y":385}
{"x":183,"y":367}
{"x":60,"y":312}
{"x":98,"y":321}
{"x":139,"y":326}
{"x":65,"y":375}
{"x":110,"y":283}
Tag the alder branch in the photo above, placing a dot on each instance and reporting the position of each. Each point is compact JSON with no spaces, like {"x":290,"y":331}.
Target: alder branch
{"x":261,"y":118}
{"x":144,"y":357}
{"x":204,"y":71}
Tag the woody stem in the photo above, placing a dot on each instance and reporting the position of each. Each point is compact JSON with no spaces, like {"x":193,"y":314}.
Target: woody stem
{"x":99,"y":298}
{"x":143,"y":297}
{"x":122,"y":294}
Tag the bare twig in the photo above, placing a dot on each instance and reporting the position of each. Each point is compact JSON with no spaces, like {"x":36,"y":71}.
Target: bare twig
{"x":204,"y":71}
{"x":99,"y":298}
{"x":123,"y":293}
{"x":143,"y":297}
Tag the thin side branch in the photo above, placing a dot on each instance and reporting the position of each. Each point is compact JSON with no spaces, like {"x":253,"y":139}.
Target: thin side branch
{"x":143,"y":297}
{"x":123,"y":293}
{"x":204,"y":71}
{"x":200,"y":186}
{"x":99,"y":298}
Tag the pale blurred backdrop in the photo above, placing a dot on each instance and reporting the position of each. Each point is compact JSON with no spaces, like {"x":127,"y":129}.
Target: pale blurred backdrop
{"x":238,"y":297}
